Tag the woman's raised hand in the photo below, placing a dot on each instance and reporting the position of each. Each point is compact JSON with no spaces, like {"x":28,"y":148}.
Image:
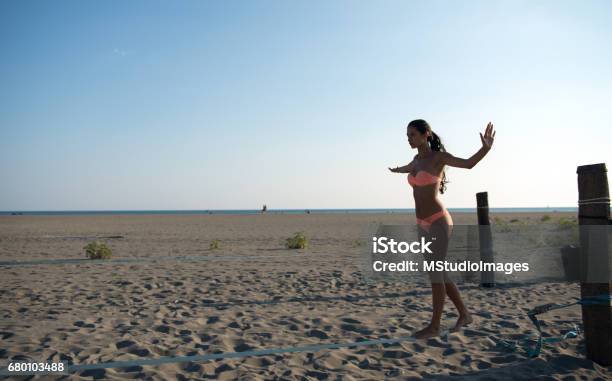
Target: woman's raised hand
{"x":489,"y":135}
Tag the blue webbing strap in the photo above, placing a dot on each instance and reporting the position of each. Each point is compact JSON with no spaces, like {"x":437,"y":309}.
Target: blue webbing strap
{"x":71,"y":368}
{"x":535,"y":351}
{"x":601,"y":299}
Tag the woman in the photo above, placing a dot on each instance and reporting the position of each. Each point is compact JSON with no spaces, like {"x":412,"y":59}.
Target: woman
{"x":426,"y":176}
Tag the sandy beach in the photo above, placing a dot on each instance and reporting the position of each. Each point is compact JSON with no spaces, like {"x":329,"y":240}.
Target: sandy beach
{"x":174,"y":296}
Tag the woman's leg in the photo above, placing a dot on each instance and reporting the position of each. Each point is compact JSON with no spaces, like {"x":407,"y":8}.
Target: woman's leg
{"x":465,"y":317}
{"x":452,"y":291}
{"x":453,"y":294}
{"x":441,"y":232}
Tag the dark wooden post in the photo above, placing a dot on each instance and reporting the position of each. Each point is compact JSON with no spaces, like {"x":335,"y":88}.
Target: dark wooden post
{"x":487,"y":278}
{"x":594,"y":209}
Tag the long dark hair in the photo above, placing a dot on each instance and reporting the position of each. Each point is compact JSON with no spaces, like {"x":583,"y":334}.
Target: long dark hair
{"x":434,"y":142}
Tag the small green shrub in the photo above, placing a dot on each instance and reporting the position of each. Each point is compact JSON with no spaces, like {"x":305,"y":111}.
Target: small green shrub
{"x":514,"y":220}
{"x":298,"y":241}
{"x":545,"y":217}
{"x":214,"y":244}
{"x":98,"y":250}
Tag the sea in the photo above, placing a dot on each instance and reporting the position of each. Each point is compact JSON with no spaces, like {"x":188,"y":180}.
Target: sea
{"x":271,"y":211}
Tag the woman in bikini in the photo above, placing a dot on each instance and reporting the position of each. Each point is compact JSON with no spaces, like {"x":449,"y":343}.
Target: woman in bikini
{"x":426,"y":176}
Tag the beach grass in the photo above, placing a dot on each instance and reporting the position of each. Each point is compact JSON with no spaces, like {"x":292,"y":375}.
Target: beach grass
{"x":298,"y":241}
{"x":98,"y":250}
{"x":215,"y":244}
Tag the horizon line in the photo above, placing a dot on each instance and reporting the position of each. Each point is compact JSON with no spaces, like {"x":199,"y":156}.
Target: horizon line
{"x":268,"y":209}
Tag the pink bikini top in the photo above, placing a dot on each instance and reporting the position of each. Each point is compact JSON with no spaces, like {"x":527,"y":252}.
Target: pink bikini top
{"x":422,"y":178}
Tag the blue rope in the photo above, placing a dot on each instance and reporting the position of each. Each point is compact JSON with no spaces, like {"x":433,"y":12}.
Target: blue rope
{"x":534,"y":351}
{"x":71,"y":368}
{"x":531,"y":352}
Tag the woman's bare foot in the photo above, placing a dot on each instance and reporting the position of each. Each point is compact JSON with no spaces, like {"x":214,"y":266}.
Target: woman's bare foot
{"x":463,"y":320}
{"x":427,"y":332}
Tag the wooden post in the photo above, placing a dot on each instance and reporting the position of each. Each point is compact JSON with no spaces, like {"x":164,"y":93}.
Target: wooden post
{"x":487,"y":278}
{"x":594,"y":209}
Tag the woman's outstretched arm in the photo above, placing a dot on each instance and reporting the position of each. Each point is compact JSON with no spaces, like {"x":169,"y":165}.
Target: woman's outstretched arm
{"x":405,"y":169}
{"x":487,"y":143}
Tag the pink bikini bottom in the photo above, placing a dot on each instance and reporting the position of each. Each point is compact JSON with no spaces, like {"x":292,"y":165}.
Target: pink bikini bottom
{"x":425,"y":223}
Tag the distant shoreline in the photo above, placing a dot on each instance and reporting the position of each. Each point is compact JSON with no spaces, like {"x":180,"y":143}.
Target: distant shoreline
{"x":275,"y":211}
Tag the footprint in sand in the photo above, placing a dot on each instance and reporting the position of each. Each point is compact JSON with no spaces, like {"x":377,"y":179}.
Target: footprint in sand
{"x":418,"y":347}
{"x":223,"y":368}
{"x":259,"y":362}
{"x":162,"y":329}
{"x":354,"y":328}
{"x":396,"y":354}
{"x":191,"y":367}
{"x":318,"y":334}
{"x":318,"y":375}
{"x":82,"y":324}
{"x":60,"y":357}
{"x":132,"y":369}
{"x":140,"y":352}
{"x":365,"y":364}
{"x":95,"y":373}
{"x":262,"y":335}
{"x":124,"y":344}
{"x":243,"y":347}
{"x":471,"y":333}
{"x":212,"y":320}
{"x":21,"y":358}
{"x":393,"y":373}
{"x":507,"y":324}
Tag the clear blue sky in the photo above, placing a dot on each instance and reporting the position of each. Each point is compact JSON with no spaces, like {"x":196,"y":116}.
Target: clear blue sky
{"x":296,"y":104}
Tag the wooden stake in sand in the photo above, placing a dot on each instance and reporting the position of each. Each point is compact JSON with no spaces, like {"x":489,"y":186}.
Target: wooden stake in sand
{"x":594,"y":209}
{"x":487,"y":278}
